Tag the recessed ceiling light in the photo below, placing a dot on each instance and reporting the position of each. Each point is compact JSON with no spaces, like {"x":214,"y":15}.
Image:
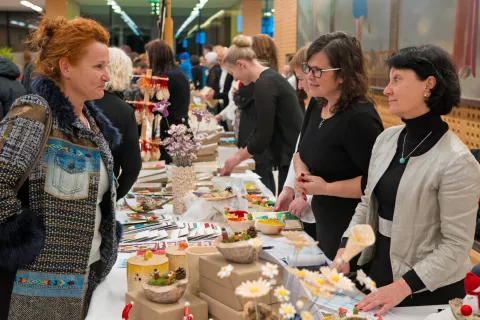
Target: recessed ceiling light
{"x":31,"y":6}
{"x":192,"y":16}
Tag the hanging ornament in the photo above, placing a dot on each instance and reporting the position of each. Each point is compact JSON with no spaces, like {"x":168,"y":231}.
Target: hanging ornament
{"x":166,"y":93}
{"x":158,"y":89}
{"x":157,"y":126}
{"x":138,"y":116}
{"x":155,"y":153}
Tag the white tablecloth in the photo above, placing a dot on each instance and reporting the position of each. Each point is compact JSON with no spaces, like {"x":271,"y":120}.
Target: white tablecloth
{"x":108,"y":299}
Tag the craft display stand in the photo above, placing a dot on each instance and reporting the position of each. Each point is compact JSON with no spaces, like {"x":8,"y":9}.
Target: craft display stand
{"x":150,"y":86}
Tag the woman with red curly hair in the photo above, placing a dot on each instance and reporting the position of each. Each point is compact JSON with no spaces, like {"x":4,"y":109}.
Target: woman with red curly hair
{"x":58,"y":234}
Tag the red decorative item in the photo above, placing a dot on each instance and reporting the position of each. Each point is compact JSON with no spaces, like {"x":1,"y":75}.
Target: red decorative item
{"x":239,"y":213}
{"x":466,"y":310}
{"x":186,"y":311}
{"x":126,"y":311}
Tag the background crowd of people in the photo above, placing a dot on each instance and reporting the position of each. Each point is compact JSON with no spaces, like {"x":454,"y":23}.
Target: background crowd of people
{"x":417,"y":185}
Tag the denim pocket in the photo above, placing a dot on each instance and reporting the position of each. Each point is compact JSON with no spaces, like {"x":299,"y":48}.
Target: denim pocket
{"x":68,"y":176}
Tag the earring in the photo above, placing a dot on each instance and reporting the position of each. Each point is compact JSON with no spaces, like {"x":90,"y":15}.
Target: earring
{"x":426,"y":94}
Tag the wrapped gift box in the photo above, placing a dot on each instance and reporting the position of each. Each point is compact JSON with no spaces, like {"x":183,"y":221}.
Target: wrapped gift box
{"x":223,"y":290}
{"x":218,"y":310}
{"x":144,"y":309}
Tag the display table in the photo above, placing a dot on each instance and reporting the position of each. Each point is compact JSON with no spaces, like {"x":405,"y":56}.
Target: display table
{"x":108,"y":299}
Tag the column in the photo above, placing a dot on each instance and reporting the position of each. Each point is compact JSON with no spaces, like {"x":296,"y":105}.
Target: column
{"x":252,"y":16}
{"x":65,"y":8}
{"x":285,"y":33}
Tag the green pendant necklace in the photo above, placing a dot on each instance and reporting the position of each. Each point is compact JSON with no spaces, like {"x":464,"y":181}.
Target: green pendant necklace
{"x":403,"y":159}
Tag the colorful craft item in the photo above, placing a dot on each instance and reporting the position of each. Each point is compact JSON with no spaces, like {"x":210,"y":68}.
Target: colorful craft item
{"x":186,"y":311}
{"x":126,"y":311}
{"x":183,"y":245}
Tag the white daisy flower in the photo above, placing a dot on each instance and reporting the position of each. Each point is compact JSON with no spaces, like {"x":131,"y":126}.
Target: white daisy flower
{"x":361,"y":276}
{"x":225,"y":271}
{"x":269,"y":270}
{"x":306,"y":315}
{"x":287,"y":311}
{"x":282,"y":294}
{"x":370,"y":285}
{"x":253,"y":289}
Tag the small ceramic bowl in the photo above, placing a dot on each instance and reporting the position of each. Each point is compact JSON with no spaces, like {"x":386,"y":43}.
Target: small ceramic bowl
{"x":238,"y":252}
{"x":269,"y":226}
{"x":165,"y":294}
{"x":239,"y":226}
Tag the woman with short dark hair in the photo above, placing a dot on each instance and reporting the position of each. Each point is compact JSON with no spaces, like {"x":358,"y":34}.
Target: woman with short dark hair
{"x":422,"y":191}
{"x":337,"y":137}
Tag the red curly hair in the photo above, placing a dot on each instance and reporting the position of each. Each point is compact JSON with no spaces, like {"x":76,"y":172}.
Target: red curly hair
{"x":57,"y":38}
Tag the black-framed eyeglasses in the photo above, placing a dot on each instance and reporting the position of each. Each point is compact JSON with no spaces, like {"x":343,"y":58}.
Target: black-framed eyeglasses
{"x":317,"y":72}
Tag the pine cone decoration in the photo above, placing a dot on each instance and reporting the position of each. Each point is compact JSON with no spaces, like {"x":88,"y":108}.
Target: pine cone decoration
{"x":180,"y":273}
{"x":252,"y":232}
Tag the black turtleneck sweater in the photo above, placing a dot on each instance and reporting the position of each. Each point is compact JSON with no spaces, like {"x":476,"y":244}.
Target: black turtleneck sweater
{"x":386,"y":194}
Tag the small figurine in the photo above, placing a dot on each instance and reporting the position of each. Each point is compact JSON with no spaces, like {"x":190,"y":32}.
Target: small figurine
{"x":355,"y":310}
{"x":224,"y":234}
{"x":126,"y":311}
{"x":471,"y":301}
{"x":156,"y":274}
{"x":186,"y":311}
{"x":342,"y":312}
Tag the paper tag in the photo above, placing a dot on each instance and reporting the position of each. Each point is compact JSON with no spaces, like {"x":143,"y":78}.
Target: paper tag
{"x":183,"y":232}
{"x":162,"y":234}
{"x":143,"y":234}
{"x":175,"y":234}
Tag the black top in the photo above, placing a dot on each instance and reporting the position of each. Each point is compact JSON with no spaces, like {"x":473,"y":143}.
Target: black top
{"x":197,"y":77}
{"x":179,"y":88}
{"x":226,"y":88}
{"x":386,"y":192}
{"x":339,"y":150}
{"x":213,"y":79}
{"x":127,"y":156}
{"x":10,"y":87}
{"x":279,"y":118}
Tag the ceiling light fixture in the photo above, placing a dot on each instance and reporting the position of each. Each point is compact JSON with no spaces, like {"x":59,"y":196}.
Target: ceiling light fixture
{"x":31,"y":6}
{"x":192,"y":16}
{"x":117,"y":9}
{"x":17,"y":23}
{"x":206,"y":23}
{"x":155,"y":4}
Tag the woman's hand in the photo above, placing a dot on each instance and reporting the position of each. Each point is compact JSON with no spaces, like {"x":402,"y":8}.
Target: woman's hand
{"x":219,"y":118}
{"x":312,"y":185}
{"x":298,"y":206}
{"x":339,"y":264}
{"x":230,"y":164}
{"x":385,"y":297}
{"x":284,"y":199}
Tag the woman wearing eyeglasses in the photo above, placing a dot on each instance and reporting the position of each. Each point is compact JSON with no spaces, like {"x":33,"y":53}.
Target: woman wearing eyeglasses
{"x":337,"y":136}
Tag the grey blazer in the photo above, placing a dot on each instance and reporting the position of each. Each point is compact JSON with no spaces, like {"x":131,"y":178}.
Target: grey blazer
{"x":435,"y":212}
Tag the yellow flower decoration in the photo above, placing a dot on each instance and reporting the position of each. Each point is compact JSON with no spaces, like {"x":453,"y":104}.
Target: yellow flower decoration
{"x":253,"y":289}
{"x":282,"y":294}
{"x":306,"y":315}
{"x":287,"y":310}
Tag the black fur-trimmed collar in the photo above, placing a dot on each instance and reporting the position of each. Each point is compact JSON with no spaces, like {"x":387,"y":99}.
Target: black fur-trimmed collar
{"x":62,"y":110}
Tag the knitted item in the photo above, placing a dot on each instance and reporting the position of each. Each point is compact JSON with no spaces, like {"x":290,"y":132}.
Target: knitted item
{"x":63,"y":190}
